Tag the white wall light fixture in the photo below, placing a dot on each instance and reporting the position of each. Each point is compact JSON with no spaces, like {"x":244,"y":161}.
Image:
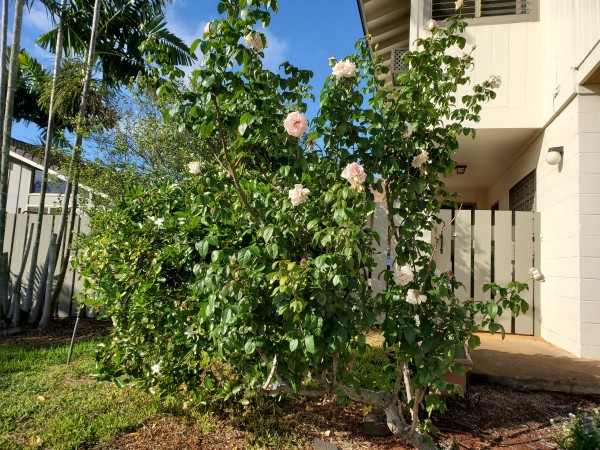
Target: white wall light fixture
{"x":555,"y":155}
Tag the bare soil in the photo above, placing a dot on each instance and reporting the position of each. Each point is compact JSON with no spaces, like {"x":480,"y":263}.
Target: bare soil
{"x":488,"y":417}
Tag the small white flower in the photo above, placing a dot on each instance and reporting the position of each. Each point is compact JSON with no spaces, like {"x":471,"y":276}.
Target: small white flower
{"x":194,"y":167}
{"x":537,"y":275}
{"x":408,"y":130}
{"x":463,"y":56}
{"x":431,"y":25}
{"x":417,"y":320}
{"x":458,"y":5}
{"x":414,"y":298}
{"x":158,"y":221}
{"x":495,"y":81}
{"x":298,"y":195}
{"x":155,"y":368}
{"x":403,"y":276}
{"x":421,"y":159}
{"x":190,"y":332}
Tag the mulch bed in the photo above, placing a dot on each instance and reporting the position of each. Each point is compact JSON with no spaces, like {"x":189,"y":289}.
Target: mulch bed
{"x":488,"y":417}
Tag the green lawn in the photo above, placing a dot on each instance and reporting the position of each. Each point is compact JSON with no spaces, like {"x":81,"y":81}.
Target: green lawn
{"x":44,"y":404}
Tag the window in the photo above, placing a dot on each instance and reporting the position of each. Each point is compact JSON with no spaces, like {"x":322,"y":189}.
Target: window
{"x":55,"y":185}
{"x":521,"y":196}
{"x":441,"y":9}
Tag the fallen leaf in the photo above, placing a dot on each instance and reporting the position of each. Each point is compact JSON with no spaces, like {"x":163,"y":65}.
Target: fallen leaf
{"x":41,"y":398}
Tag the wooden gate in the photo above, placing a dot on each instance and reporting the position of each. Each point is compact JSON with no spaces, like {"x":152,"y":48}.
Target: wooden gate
{"x":479,"y":246}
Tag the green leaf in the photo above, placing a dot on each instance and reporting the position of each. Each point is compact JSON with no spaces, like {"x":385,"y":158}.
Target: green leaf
{"x":202,"y":247}
{"x":268,"y":233}
{"x":492,"y":309}
{"x":216,"y":256}
{"x":293,"y":345}
{"x":207,"y":128}
{"x":309,"y":343}
{"x":410,"y":334}
{"x":250,"y":347}
{"x":272,"y":250}
{"x":194,"y":46}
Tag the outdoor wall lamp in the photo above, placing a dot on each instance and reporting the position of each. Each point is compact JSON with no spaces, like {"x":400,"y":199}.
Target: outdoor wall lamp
{"x":555,"y":155}
{"x":460,"y":169}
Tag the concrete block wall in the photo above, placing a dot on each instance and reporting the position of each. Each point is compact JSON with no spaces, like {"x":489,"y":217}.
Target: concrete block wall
{"x":589,"y":223}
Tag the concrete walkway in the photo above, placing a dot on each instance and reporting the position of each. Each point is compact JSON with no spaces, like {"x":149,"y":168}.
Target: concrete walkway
{"x":529,"y":362}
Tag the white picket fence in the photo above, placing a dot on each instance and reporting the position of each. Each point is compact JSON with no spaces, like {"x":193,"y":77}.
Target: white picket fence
{"x":18,"y":227}
{"x":479,"y":247}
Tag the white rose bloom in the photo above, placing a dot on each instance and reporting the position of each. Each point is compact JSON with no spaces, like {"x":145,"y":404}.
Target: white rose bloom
{"x":414,"y":298}
{"x":194,"y":167}
{"x":495,"y":81}
{"x":431,"y":25}
{"x":403,"y":276}
{"x":458,"y":5}
{"x":419,"y":160}
{"x":298,"y":195}
{"x":536,"y":274}
{"x":258,"y":43}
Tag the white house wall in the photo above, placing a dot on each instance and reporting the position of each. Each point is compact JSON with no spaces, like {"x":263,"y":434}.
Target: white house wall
{"x":19,"y":185}
{"x":589,"y":222}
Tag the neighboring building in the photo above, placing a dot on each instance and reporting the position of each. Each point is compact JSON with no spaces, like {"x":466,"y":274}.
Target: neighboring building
{"x":25,"y":180}
{"x":548,"y":56}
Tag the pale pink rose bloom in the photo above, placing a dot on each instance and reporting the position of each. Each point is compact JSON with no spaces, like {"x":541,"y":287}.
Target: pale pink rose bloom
{"x":298,"y":195}
{"x":344,"y":69}
{"x":414,"y":298}
{"x":458,"y":5}
{"x":295,"y":124}
{"x":464,"y":56}
{"x":536,"y":274}
{"x":495,"y":81}
{"x":421,"y":159}
{"x":194,"y":167}
{"x":257,"y":43}
{"x":431,"y":25}
{"x":355,"y":174}
{"x":403,"y":276}
{"x":207,"y":30}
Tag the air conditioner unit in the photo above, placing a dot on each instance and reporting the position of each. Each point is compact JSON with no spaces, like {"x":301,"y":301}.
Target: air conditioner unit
{"x":398,"y":65}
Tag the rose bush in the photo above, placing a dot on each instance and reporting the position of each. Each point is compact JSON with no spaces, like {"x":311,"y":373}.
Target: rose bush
{"x":252,"y":272}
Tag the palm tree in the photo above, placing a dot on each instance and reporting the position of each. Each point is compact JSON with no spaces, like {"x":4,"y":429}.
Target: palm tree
{"x":127,"y":32}
{"x":126,"y":28}
{"x":3,"y":33}
{"x":47,"y":149}
{"x":7,"y":126}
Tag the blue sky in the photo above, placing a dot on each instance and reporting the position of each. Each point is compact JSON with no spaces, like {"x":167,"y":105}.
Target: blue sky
{"x":305,"y":33}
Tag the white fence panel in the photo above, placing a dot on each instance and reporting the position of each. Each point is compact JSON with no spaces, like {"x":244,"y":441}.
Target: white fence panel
{"x":478,"y":247}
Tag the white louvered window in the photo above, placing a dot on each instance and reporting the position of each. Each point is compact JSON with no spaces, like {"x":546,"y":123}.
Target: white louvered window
{"x":441,"y":9}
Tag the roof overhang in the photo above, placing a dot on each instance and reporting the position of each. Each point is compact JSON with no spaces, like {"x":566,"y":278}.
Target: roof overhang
{"x":388,"y":23}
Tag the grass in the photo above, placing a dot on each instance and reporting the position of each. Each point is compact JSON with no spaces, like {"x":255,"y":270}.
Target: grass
{"x":44,"y":404}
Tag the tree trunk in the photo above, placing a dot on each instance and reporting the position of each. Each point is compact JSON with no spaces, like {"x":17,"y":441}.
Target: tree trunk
{"x":7,"y":122}
{"x":48,"y":148}
{"x":73,"y":179}
{"x":47,"y":313}
{"x":16,"y":294}
{"x":3,"y":33}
